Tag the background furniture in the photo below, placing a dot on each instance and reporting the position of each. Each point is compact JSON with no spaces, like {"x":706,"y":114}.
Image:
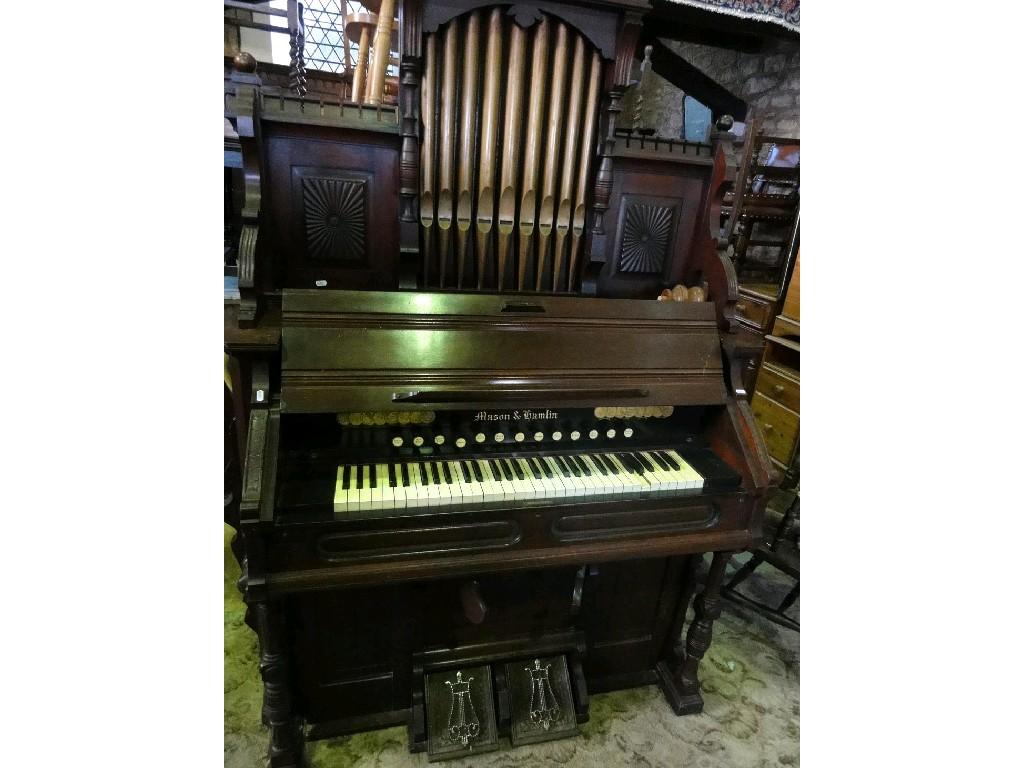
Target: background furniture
{"x":782,"y":551}
{"x":776,"y":400}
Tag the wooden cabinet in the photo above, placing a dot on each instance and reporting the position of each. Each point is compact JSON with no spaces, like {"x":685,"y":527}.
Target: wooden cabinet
{"x":776,"y":400}
{"x":756,"y":306}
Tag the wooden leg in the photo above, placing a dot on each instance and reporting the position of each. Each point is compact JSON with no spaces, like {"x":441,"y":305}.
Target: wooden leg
{"x":789,"y":599}
{"x":679,"y":681}
{"x":286,"y":739}
{"x":745,"y":571}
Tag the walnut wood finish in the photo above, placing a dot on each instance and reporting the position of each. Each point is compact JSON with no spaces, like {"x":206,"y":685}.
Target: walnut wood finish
{"x":505,"y":132}
{"x":450,"y":344}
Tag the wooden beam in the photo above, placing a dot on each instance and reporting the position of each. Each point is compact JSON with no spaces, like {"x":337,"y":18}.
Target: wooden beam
{"x":693,"y":82}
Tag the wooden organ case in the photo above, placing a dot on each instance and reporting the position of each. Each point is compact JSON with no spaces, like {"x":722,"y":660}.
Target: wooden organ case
{"x":482,"y":464}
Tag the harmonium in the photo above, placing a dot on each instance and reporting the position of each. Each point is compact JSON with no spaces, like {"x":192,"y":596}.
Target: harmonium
{"x":482,"y":465}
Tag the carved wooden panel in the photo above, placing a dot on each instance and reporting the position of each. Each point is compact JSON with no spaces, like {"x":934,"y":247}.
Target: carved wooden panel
{"x":335,"y":215}
{"x":333,"y":207}
{"x":646,"y":230}
{"x":652,"y":215}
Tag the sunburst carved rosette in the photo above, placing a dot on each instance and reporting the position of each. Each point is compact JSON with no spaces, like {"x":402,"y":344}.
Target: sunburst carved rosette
{"x":645,"y":235}
{"x":335,"y":213}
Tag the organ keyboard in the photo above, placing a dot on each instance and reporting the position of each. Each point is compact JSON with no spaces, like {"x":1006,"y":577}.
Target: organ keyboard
{"x":401,"y":485}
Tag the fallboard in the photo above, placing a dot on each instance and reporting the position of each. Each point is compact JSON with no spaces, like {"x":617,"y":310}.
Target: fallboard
{"x":371,"y":350}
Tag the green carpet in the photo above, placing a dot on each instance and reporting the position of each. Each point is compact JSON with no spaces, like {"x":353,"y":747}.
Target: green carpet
{"x":750,"y":680}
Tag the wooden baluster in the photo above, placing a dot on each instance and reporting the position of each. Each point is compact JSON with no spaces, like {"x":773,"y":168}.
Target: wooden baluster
{"x":467,"y":141}
{"x":571,"y":142}
{"x":546,"y":219}
{"x":681,"y":684}
{"x":488,"y":142}
{"x":510,"y":146}
{"x":286,"y":738}
{"x":531,"y":163}
{"x":579,"y":217}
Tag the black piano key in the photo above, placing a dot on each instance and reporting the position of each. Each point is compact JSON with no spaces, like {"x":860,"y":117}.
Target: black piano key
{"x":669,"y":460}
{"x":516,"y":469}
{"x":344,"y":478}
{"x":596,"y":463}
{"x":477,"y":474}
{"x":566,"y":466}
{"x":578,"y":465}
{"x":359,"y":477}
{"x":541,"y":469}
{"x":447,"y":472}
{"x":643,"y":462}
{"x":660,"y":460}
{"x":373,"y":475}
{"x":425,"y":478}
{"x":630,"y":463}
{"x":495,"y":469}
{"x":391,"y":475}
{"x":608,"y":464}
{"x":405,"y":476}
{"x":466,"y":473}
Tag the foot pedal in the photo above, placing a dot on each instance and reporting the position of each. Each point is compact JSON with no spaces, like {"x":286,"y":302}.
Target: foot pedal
{"x":460,"y":713}
{"x":542,"y":704}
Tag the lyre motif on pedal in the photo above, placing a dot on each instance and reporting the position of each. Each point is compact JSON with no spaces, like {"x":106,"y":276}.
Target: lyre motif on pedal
{"x":544,"y":709}
{"x":463,"y":723}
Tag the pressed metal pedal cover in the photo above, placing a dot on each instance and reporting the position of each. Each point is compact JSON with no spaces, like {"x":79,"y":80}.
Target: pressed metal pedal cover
{"x":542,"y":704}
{"x":460,"y":713}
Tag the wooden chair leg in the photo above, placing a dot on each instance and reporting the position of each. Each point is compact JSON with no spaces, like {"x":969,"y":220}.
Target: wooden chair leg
{"x":790,"y":598}
{"x":744,"y":572}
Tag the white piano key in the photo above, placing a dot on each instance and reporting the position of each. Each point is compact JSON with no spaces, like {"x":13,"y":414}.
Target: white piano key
{"x":618,"y":483}
{"x":556,"y":476}
{"x":492,"y":485}
{"x":694,"y":478}
{"x":444,"y":488}
{"x":352,"y":493}
{"x":366,"y":491}
{"x":398,"y":491}
{"x":603,"y":483}
{"x":340,"y":494}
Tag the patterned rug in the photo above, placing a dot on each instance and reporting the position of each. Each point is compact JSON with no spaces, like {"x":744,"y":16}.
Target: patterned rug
{"x":750,"y":680}
{"x":785,"y":13}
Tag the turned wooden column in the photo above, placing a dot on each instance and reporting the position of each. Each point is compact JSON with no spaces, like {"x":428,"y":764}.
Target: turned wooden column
{"x":678,"y":677}
{"x":286,"y":739}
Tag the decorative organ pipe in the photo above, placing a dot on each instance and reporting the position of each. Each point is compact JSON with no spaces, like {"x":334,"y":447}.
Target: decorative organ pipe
{"x":467,"y":124}
{"x":579,"y":216}
{"x":528,"y":209}
{"x":446,"y":140}
{"x":428,"y":112}
{"x":488,"y":144}
{"x":525,"y":101}
{"x":381,"y":51}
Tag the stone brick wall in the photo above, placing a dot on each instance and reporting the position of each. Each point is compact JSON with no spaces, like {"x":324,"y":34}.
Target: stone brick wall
{"x":768,"y":81}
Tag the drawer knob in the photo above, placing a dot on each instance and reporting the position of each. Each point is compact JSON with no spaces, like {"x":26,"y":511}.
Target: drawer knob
{"x":741,"y":307}
{"x":778,"y":389}
{"x":767,"y":427}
